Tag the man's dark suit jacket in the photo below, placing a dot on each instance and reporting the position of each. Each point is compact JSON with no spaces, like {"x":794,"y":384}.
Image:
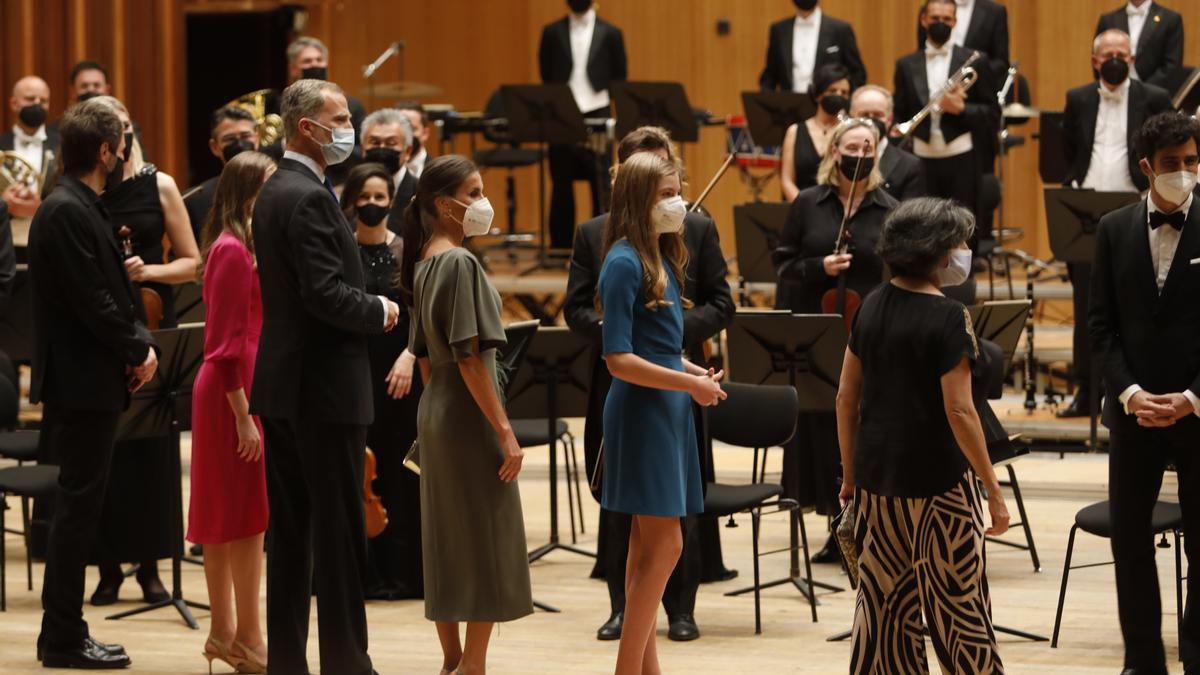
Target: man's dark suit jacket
{"x":199,"y":205}
{"x":835,"y":44}
{"x":1160,"y":46}
{"x":1079,"y":126}
{"x":987,"y":33}
{"x":85,"y":330}
{"x":1144,"y":336}
{"x":982,"y":112}
{"x":404,"y":194}
{"x":8,"y":141}
{"x":606,"y":57}
{"x":903,"y":175}
{"x":8,"y":259}
{"x":312,"y":356}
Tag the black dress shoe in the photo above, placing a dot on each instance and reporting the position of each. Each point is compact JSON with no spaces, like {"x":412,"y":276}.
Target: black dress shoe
{"x":89,"y":655}
{"x":152,"y":588}
{"x":114,"y":649}
{"x":1078,"y":408}
{"x":726,"y":575}
{"x":683,"y":628}
{"x":611,"y":630}
{"x":829,"y":553}
{"x":107,"y":590}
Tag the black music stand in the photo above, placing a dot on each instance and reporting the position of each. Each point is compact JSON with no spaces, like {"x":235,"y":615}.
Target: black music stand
{"x":163,"y":407}
{"x":1052,"y":166}
{"x":660,"y":104}
{"x":542,"y":114}
{"x":804,"y":351}
{"x":189,"y":302}
{"x":770,"y":113}
{"x":756,"y":228}
{"x":518,"y":336}
{"x":1001,"y":321}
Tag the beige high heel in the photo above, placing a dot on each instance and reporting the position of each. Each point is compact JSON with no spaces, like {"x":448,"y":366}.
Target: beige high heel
{"x":221,"y":654}
{"x":249,"y":662}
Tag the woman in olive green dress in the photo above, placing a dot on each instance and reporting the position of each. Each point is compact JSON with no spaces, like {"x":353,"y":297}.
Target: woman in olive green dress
{"x":472,"y":530}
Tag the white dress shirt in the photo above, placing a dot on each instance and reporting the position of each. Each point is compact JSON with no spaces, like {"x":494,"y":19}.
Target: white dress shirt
{"x":805,"y":31}
{"x":962,"y":21}
{"x":937,"y":72}
{"x":1108,"y":170}
{"x":31,"y":147}
{"x":1164,"y":241}
{"x":1137,"y":21}
{"x":416,"y":163}
{"x":398,"y":177}
{"x":581,"y":29}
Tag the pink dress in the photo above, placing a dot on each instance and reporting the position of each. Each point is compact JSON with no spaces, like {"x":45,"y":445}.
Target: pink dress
{"x":229,"y":495}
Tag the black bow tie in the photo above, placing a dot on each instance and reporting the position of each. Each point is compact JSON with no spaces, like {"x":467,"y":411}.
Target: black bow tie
{"x":1175,"y":220}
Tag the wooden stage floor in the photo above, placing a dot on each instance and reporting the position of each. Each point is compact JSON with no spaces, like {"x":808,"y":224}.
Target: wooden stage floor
{"x":403,"y":642}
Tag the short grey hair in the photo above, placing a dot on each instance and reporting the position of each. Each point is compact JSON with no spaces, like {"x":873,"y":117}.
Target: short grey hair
{"x":918,"y":232}
{"x":388,"y":116}
{"x":883,"y":91}
{"x":1111,"y":31}
{"x":303,"y":98}
{"x":301,"y":43}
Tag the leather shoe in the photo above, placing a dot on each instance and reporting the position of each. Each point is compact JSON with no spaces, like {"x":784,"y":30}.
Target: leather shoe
{"x":1078,"y":408}
{"x":829,"y":553}
{"x":152,"y":588}
{"x":107,"y":591}
{"x":683,"y":628}
{"x":88,"y":655}
{"x":113,"y":649}
{"x":1143,"y":671}
{"x":727,"y":575}
{"x":611,"y":630}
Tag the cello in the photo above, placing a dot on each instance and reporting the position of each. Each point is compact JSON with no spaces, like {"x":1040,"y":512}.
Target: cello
{"x":842,"y":300}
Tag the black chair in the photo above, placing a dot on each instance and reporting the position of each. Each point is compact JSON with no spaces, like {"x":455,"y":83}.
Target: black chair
{"x":25,"y":482}
{"x":1096,"y":519}
{"x":533,"y":432}
{"x":509,"y":156}
{"x":756,"y":416}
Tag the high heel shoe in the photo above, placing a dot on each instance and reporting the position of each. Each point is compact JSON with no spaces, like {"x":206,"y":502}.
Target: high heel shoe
{"x":222,"y":654}
{"x":249,"y":662}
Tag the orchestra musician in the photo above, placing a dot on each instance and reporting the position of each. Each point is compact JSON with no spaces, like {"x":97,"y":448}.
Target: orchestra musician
{"x":8,"y":259}
{"x":804,"y":147}
{"x":1156,"y":34}
{"x":308,"y":58}
{"x":387,"y":139}
{"x":798,"y":46}
{"x":232,"y":131}
{"x":89,"y":77}
{"x":418,"y":119}
{"x":903,"y":175}
{"x":33,"y":140}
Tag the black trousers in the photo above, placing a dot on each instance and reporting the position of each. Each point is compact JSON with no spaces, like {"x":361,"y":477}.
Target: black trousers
{"x":316,"y":540}
{"x":1081,"y":343}
{"x":1137,"y":458}
{"x":680,"y":594}
{"x":569,"y":163}
{"x":82,"y":440}
{"x":957,"y":178}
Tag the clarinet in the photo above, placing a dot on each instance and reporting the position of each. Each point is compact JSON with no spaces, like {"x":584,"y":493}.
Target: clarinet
{"x":1030,"y":359}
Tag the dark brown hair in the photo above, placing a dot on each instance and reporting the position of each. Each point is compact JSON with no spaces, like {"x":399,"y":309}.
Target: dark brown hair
{"x":233,"y":203}
{"x":84,"y":128}
{"x":356,"y":179}
{"x":441,"y":178}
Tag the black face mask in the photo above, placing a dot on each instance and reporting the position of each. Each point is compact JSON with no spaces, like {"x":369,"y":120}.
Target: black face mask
{"x":880,"y":127}
{"x":115,"y":175}
{"x":833,"y":104}
{"x":848,"y":163}
{"x":579,"y":6}
{"x":1114,"y":71}
{"x":939,"y":32}
{"x":33,"y":116}
{"x":372,"y":214}
{"x":388,"y":157}
{"x":315,"y":73}
{"x":806,"y":5}
{"x":235,"y":148}
{"x":416,"y":146}
{"x":128,"y":146}
{"x":87,"y":95}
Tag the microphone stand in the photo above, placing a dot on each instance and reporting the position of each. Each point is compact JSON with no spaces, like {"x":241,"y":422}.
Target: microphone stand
{"x":395,"y":49}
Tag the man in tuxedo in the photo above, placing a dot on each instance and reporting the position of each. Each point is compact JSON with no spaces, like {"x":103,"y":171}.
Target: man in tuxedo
{"x":33,"y":141}
{"x":797,"y":46}
{"x":1156,"y":34}
{"x":418,"y":119}
{"x":903,"y":175}
{"x":1099,"y":124}
{"x":89,"y":77}
{"x":945,"y":140}
{"x":90,"y":353}
{"x":586,"y":53}
{"x":232,"y":130}
{"x":312,"y":388}
{"x":713,"y":311}
{"x":1144,"y":321}
{"x":308,"y":58}
{"x":387,"y":139}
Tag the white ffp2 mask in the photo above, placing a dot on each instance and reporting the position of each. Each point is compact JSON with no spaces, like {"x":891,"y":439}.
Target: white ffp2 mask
{"x":668,"y":215}
{"x":478,"y":218}
{"x":958,"y":270}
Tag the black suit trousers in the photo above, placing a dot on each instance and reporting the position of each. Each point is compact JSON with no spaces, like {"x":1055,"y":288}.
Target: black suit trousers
{"x":1081,"y":345}
{"x":680,"y":594}
{"x":82,"y":440}
{"x":316,"y":540}
{"x":957,"y":178}
{"x":569,"y":163}
{"x":1137,"y":458}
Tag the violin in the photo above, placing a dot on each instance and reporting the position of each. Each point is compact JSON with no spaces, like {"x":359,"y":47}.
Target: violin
{"x":842,"y":300}
{"x":377,"y":517}
{"x":152,"y":304}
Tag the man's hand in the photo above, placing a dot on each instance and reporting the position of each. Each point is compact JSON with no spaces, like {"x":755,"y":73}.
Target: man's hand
{"x":22,"y":201}
{"x":1170,"y":408}
{"x":954,"y":102}
{"x":393,"y":315}
{"x":142,"y":374}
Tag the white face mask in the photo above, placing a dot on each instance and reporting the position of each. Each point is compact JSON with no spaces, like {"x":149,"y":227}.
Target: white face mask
{"x":340,"y":148}
{"x":668,"y":215}
{"x":958,"y":270}
{"x":478,"y":218}
{"x":1175,"y":187}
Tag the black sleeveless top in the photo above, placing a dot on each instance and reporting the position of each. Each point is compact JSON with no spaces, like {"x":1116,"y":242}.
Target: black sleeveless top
{"x":380,"y":265}
{"x":136,"y":204}
{"x":806,"y":158}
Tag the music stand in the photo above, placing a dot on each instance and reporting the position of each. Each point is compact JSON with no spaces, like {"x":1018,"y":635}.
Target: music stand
{"x":542,"y":114}
{"x":770,"y":113}
{"x":659,"y":104}
{"x":804,"y":351}
{"x":518,"y":336}
{"x":756,"y":228}
{"x":163,"y":407}
{"x":189,"y":302}
{"x":1051,"y":163}
{"x":1002,"y":322}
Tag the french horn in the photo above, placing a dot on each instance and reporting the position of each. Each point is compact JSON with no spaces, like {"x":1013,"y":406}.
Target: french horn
{"x":270,"y":124}
{"x":16,"y":170}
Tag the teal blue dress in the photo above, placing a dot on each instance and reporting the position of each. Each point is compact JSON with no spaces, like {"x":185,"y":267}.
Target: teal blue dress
{"x":651,"y":465}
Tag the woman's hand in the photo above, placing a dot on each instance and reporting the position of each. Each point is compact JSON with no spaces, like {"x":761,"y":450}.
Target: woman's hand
{"x":513,"y":456}
{"x":399,"y":378}
{"x":846,"y":493}
{"x":998,"y":511}
{"x":249,"y":441}
{"x":835,"y":264}
{"x":706,"y":390}
{"x":135,"y":267}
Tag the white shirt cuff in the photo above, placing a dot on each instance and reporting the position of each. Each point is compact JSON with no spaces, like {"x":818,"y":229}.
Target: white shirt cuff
{"x":1128,"y":394}
{"x":383,"y":301}
{"x":1195,"y":400}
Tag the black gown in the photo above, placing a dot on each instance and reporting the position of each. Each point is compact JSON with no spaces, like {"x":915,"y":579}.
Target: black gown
{"x":805,"y":158}
{"x":394,"y":557}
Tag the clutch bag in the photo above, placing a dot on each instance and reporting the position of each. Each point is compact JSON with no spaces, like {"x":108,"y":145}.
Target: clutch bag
{"x":412,"y":458}
{"x":843,"y":527}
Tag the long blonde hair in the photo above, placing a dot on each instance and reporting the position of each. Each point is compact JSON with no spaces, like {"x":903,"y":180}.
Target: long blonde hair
{"x":136,"y":157}
{"x":635,"y":192}
{"x":233,"y":202}
{"x":828,"y":173}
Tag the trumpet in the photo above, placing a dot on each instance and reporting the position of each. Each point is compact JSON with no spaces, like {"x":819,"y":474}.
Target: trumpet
{"x":963,"y":79}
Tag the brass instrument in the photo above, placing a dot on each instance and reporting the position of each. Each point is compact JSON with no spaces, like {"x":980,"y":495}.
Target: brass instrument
{"x":270,"y":125}
{"x":16,"y":170}
{"x":963,"y":79}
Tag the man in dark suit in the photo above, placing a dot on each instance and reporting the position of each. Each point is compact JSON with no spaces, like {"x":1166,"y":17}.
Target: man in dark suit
{"x":1099,"y":124}
{"x":1144,"y":321}
{"x":32,"y":139}
{"x":231,"y":131}
{"x":1157,"y":36}
{"x":945,"y":140}
{"x":903,"y":175}
{"x":308,"y":58}
{"x":713,"y":310}
{"x":586,"y":53}
{"x":312,"y":389}
{"x":387,"y":137}
{"x":797,"y":46}
{"x":90,"y":353}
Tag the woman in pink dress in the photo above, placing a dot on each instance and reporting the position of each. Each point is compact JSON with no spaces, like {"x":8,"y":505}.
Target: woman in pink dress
{"x":228,"y":512}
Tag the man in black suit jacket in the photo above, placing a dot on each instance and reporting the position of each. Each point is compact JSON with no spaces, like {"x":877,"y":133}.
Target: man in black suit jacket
{"x":312,"y":389}
{"x":903,"y":175}
{"x":31,"y":137}
{"x":712,"y":311}
{"x":387,"y":137}
{"x":562,"y":60}
{"x":1117,"y":169}
{"x":231,"y":131}
{"x":945,"y":140}
{"x":1145,"y":322}
{"x":308,"y":58}
{"x":1159,"y":45}
{"x":90,"y":353}
{"x":835,"y":43}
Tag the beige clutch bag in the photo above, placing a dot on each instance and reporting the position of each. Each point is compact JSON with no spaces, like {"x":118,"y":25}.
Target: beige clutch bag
{"x":843,"y":527}
{"x":412,"y":458}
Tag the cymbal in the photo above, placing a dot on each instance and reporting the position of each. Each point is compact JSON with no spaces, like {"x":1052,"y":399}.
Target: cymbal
{"x":1017,"y":111}
{"x":402,"y":90}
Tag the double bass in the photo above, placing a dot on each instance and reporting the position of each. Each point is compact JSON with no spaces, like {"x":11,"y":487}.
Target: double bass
{"x":842,"y":300}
